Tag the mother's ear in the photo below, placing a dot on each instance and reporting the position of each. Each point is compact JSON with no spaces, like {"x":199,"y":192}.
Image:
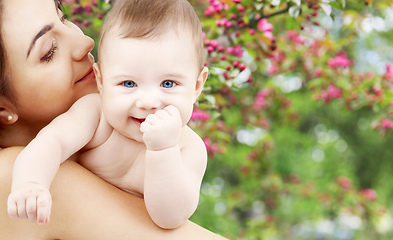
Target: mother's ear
{"x":8,"y":113}
{"x":200,"y":82}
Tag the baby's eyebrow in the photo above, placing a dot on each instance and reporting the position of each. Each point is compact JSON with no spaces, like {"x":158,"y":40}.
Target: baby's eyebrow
{"x":43,"y":30}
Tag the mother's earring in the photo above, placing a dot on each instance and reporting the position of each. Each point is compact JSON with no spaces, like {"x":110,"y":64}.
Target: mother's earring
{"x":9,"y":118}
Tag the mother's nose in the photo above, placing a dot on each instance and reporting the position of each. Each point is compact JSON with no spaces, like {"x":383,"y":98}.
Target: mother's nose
{"x":82,"y":48}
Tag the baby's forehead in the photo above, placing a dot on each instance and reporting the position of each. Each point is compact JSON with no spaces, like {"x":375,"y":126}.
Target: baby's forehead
{"x":115,"y":36}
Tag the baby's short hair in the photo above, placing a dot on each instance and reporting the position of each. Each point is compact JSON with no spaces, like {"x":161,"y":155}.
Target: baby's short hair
{"x":152,"y":18}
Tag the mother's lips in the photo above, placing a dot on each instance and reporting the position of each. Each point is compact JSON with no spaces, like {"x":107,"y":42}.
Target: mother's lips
{"x":89,"y":75}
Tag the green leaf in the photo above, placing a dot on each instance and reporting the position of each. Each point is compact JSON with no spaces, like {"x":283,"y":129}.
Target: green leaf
{"x":211,"y":99}
{"x":342,"y":3}
{"x":294,"y":11}
{"x":290,"y":23}
{"x":258,"y":6}
{"x":336,"y":5}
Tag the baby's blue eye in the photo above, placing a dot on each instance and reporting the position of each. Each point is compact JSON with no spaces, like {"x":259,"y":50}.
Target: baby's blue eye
{"x":167,"y":84}
{"x":129,"y":84}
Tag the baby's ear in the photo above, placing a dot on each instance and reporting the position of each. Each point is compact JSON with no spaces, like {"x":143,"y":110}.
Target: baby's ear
{"x":97,"y":72}
{"x":200,"y":82}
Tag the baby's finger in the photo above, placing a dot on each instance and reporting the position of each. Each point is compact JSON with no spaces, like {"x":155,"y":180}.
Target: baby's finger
{"x":172,"y":110}
{"x":161,"y":114}
{"x":152,"y":119}
{"x":145,"y":126}
{"x":44,"y":203}
{"x":31,"y":208}
{"x":22,"y":209}
{"x":12,"y":208}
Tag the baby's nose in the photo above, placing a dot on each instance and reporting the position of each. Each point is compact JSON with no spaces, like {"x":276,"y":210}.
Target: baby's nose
{"x":148,"y":102}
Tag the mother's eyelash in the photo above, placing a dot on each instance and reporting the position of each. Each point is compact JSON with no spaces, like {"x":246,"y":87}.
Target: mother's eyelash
{"x":64,"y":18}
{"x":50,"y":54}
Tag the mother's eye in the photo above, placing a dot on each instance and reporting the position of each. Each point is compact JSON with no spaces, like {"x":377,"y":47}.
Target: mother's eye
{"x":168,"y":84}
{"x":50,"y":54}
{"x":129,"y":84}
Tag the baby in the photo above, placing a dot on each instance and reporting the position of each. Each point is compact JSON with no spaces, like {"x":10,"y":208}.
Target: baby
{"x":134,"y":133}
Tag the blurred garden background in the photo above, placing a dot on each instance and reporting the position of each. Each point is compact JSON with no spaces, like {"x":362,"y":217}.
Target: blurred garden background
{"x":297,"y":116}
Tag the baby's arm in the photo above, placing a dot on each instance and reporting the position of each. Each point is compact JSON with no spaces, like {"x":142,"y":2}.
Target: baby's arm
{"x":36,"y":166}
{"x":172,"y":175}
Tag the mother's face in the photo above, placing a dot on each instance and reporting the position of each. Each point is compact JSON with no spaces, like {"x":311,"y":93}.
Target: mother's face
{"x":48,"y":57}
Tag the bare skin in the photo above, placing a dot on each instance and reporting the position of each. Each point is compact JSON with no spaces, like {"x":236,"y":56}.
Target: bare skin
{"x":84,"y":214}
{"x":57,"y":72}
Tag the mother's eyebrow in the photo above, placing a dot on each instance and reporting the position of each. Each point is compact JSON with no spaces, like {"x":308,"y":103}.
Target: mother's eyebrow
{"x":44,"y":30}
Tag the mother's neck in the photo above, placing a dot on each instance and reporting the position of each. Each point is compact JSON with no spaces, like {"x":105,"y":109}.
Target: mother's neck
{"x":18,"y":134}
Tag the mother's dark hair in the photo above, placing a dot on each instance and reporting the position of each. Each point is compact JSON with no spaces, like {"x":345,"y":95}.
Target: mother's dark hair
{"x":4,"y":71}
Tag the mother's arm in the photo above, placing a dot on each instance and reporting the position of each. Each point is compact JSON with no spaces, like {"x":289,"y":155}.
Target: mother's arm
{"x":86,"y":207}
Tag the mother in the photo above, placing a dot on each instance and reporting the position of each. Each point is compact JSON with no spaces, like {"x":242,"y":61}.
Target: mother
{"x":45,"y":66}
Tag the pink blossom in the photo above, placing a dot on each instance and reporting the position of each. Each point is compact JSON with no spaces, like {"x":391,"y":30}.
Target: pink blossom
{"x":318,"y":72}
{"x":209,"y":10}
{"x":236,"y":63}
{"x":198,"y":114}
{"x":260,"y":99}
{"x":377,"y":90}
{"x":369,"y":75}
{"x":252,"y":31}
{"x":389,"y":72}
{"x":332,"y":63}
{"x":278,"y":56}
{"x":88,"y":8}
{"x":344,"y":182}
{"x":333,"y":92}
{"x":292,"y":34}
{"x":215,"y":6}
{"x":272,"y":69}
{"x":264,"y":25}
{"x":340,"y":60}
{"x":269,"y":35}
{"x":223,"y":21}
{"x":387,"y":123}
{"x":299,"y":39}
{"x":369,"y":194}
{"x":242,"y":66}
{"x":210,"y":147}
{"x":259,"y":102}
{"x":236,"y":50}
{"x":214,"y":43}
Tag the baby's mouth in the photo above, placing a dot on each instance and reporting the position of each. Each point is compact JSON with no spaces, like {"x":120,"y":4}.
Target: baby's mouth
{"x":139,"y":120}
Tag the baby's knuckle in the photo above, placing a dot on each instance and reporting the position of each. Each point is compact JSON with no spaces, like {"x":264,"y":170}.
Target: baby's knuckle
{"x":31,"y":209}
{"x":42,"y":204}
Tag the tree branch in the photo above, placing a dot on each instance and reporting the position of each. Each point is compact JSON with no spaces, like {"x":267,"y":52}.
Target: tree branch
{"x":278,"y":12}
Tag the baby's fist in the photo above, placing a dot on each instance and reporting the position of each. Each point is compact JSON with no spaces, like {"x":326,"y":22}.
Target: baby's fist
{"x":31,"y":201}
{"x":162,"y":129}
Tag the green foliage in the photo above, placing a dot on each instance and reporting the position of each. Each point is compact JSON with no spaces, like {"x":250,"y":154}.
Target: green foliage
{"x":296,"y":116}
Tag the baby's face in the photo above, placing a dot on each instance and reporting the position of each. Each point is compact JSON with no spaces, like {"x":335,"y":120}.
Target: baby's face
{"x":141,"y":76}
